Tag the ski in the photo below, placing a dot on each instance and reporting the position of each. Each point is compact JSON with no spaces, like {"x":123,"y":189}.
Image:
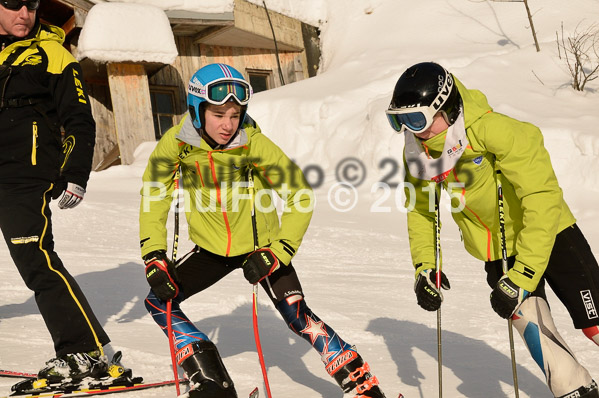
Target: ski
{"x":100,"y":390}
{"x":21,"y":375}
{"x":97,"y":391}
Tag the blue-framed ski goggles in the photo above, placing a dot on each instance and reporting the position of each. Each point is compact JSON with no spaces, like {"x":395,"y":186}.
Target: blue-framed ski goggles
{"x":220,"y":91}
{"x":16,"y":5}
{"x":415,"y":119}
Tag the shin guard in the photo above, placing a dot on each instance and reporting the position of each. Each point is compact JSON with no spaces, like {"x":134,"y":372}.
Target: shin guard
{"x":184,"y":330}
{"x":562,"y":371}
{"x":303,"y":322}
{"x":341,"y":360}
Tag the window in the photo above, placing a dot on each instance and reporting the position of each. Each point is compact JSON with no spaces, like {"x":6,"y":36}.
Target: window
{"x":260,"y":80}
{"x":163,"y":110}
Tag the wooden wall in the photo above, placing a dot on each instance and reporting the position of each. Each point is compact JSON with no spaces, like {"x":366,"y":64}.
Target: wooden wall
{"x":292,"y":63}
{"x":192,"y":56}
{"x":178,"y":74}
{"x":106,"y":140}
{"x":130,"y":93}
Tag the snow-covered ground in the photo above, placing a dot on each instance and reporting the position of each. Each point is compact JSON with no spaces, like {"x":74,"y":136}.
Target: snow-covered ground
{"x":354,"y":265}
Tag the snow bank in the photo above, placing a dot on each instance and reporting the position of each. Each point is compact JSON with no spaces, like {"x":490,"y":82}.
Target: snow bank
{"x":312,"y":12}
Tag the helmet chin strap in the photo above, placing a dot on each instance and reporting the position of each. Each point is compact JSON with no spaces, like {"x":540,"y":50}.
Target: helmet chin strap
{"x":201,"y":131}
{"x":213,"y":144}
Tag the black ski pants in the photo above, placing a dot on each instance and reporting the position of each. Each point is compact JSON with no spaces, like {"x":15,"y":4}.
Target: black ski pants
{"x":200,"y":269}
{"x":25,"y":220}
{"x":572,"y":273}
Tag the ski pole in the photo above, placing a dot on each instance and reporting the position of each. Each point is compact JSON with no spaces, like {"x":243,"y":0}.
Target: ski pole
{"x":438,"y":284}
{"x":255,"y":289}
{"x":257,"y":339}
{"x":504,"y":267}
{"x":171,"y":343}
{"x":169,"y":303}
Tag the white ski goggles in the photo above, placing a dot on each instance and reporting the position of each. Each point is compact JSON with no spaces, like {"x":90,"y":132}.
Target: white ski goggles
{"x":221,"y":90}
{"x":415,"y":119}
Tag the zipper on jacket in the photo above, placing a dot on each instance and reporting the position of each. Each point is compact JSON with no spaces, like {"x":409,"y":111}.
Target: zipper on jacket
{"x":34,"y":145}
{"x":4,"y":87}
{"x":219,"y":199}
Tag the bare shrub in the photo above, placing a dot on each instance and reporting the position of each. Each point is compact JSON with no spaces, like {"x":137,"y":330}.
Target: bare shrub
{"x":580,"y":53}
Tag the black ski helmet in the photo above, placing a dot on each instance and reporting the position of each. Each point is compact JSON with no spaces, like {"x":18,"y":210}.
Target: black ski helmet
{"x":427,"y":84}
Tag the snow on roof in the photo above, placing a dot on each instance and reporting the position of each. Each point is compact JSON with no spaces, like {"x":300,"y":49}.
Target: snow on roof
{"x":309,"y":11}
{"x":202,"y":6}
{"x":117,"y":32}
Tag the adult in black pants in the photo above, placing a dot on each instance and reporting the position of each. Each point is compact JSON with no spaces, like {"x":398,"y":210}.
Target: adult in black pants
{"x":41,"y":96}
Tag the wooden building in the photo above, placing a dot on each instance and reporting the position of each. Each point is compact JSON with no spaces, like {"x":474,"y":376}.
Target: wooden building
{"x":137,"y":102}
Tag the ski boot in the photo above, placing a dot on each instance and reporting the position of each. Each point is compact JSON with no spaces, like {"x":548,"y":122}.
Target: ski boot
{"x":67,"y":370}
{"x":353,"y":375}
{"x":205,"y":370}
{"x":75,"y":366}
{"x":589,"y":391}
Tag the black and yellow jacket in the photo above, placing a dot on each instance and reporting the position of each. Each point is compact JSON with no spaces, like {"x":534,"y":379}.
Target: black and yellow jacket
{"x":42,"y":90}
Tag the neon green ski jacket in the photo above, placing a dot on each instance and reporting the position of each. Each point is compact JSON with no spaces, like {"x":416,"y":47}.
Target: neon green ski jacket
{"x":218,"y":204}
{"x":535,"y":211}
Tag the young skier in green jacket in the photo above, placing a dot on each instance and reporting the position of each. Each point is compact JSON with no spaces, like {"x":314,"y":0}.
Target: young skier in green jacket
{"x":225,"y":161}
{"x":454,"y":139}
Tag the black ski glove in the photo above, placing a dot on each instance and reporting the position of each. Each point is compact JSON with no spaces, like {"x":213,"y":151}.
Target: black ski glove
{"x":59,"y":186}
{"x":507,"y":297}
{"x":427,"y":294}
{"x":161,"y":275}
{"x":259,"y":264}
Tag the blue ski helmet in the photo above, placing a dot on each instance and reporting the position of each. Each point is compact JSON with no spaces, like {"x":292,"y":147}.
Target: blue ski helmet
{"x":216,"y":84}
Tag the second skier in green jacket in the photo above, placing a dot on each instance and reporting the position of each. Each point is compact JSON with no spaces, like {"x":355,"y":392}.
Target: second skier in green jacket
{"x":454,"y":140}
